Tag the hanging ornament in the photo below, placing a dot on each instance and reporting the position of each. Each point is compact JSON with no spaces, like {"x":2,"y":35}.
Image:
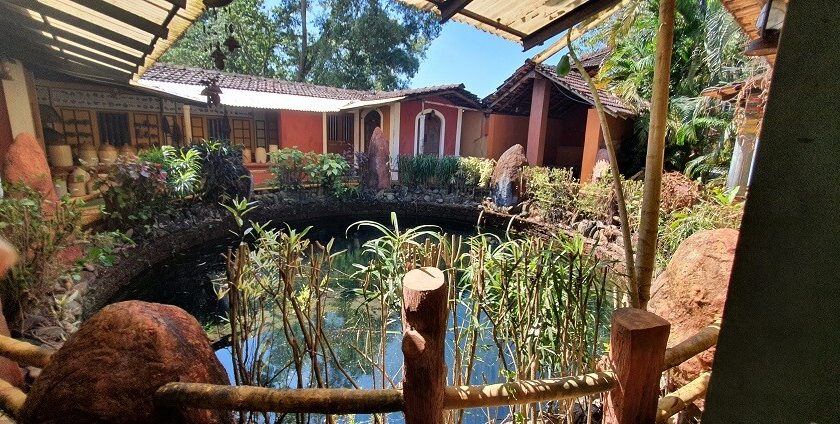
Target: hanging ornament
{"x":217,"y":3}
{"x":231,"y":42}
{"x":218,"y":58}
{"x":212,"y":91}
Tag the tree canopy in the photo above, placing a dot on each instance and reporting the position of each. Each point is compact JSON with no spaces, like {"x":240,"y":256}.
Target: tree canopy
{"x":708,"y":49}
{"x":360,"y":44}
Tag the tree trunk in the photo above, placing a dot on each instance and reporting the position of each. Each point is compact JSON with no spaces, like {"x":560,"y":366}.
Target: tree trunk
{"x":304,"y":42}
{"x":649,"y":222}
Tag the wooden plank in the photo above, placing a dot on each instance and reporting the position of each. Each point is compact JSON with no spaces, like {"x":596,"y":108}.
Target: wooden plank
{"x":637,"y":354}
{"x":451,"y":7}
{"x":566,"y":21}
{"x":425,"y":297}
{"x":50,"y":12}
{"x":125,"y":16}
{"x":70,"y":36}
{"x":538,"y":121}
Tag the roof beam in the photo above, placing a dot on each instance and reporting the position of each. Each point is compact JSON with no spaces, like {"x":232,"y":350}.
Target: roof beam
{"x":450,"y":8}
{"x":566,"y":21}
{"x":180,"y":3}
{"x":71,"y":53}
{"x":125,"y":16}
{"x":70,"y":36}
{"x":49,"y":12}
{"x":484,"y":20}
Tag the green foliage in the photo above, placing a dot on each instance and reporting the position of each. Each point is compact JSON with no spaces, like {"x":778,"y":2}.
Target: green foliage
{"x":717,"y":208}
{"x":475,"y":172}
{"x":134,"y":193}
{"x":707,"y":52}
{"x":432,"y":171}
{"x":361,"y":44}
{"x":292,"y":168}
{"x":328,"y":170}
{"x":183,"y":168}
{"x":555,"y":190}
{"x":42,"y":234}
{"x":223,"y":173}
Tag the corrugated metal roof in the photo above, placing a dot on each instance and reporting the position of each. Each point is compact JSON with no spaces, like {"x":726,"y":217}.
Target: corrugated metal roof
{"x":530,"y":22}
{"x":101,"y":40}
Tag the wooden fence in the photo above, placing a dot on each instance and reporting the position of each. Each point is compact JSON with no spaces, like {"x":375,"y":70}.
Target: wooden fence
{"x":638,"y":357}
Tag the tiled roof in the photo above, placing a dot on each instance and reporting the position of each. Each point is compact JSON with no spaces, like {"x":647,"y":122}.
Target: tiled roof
{"x":193,"y":76}
{"x":514,"y":95}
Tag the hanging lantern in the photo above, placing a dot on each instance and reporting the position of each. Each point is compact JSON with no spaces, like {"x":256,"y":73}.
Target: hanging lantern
{"x":232,"y":44}
{"x":218,"y":58}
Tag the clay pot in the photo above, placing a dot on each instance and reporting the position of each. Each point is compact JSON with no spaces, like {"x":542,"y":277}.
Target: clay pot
{"x":60,"y":155}
{"x":107,"y":154}
{"x":246,"y":156}
{"x":88,"y":155}
{"x":79,"y":175}
{"x":262,"y":156}
{"x":77,"y":189}
{"x":128,"y":151}
{"x":60,"y":186}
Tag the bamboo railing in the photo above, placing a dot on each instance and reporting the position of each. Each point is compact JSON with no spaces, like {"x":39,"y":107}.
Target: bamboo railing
{"x":638,"y":358}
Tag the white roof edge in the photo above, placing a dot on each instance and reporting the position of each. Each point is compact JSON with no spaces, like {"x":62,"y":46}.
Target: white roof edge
{"x":368,"y":103}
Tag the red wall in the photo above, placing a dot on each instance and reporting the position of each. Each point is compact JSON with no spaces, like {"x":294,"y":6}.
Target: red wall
{"x":304,"y":130}
{"x":503,"y":131}
{"x":564,"y":139}
{"x":408,"y":117}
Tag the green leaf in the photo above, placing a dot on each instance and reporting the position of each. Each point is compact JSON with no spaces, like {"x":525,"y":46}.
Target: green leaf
{"x":564,"y":66}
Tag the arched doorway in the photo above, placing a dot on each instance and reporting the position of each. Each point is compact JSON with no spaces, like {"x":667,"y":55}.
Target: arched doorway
{"x":372,"y":119}
{"x":430,"y":125}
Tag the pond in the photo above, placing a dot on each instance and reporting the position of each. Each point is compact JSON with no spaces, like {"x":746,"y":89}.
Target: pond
{"x":187,"y":281}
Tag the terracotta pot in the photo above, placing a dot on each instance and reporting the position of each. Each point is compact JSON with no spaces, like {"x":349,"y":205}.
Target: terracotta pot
{"x":107,"y":154}
{"x":79,"y":175}
{"x":246,"y":156}
{"x":262,"y":156}
{"x":77,"y":189}
{"x":88,"y":155}
{"x":60,"y":155}
{"x":128,"y":151}
{"x":60,"y":186}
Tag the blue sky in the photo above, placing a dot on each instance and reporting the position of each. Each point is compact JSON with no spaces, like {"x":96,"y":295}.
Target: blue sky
{"x":464,"y":54}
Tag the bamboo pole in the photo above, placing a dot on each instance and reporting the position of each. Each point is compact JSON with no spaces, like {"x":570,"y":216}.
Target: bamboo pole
{"x":528,"y":391}
{"x":654,"y":162}
{"x":680,"y":399}
{"x":11,"y":398}
{"x":425,"y":298}
{"x":702,"y":340}
{"x":25,"y":353}
{"x":262,"y":399}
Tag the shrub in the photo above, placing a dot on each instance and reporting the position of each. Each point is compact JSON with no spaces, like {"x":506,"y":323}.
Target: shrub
{"x":25,"y":225}
{"x":475,"y":172}
{"x":554,"y":190}
{"x":328,"y":171}
{"x":183,"y":168}
{"x":222,"y":171}
{"x":287,"y":166}
{"x":134,"y":193}
{"x":428,"y":170}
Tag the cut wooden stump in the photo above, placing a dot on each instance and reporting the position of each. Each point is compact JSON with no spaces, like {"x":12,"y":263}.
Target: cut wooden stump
{"x":425,"y":296}
{"x":637,"y":354}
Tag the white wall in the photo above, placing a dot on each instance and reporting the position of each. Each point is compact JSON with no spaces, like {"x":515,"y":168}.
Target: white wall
{"x":18,"y":101}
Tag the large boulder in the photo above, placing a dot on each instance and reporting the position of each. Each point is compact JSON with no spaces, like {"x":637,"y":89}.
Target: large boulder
{"x":26,"y":163}
{"x":691,"y":292}
{"x":506,"y":187}
{"x":109,"y":370}
{"x":379,"y":165}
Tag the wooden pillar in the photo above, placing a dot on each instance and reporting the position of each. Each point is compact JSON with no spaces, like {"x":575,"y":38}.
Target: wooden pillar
{"x":591,"y":145}
{"x":538,"y":121}
{"x":425,"y":296}
{"x":187,"y":126}
{"x":637,"y":354}
{"x":5,"y":128}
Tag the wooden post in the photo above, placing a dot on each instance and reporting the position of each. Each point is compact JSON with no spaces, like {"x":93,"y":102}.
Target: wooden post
{"x":538,"y":121}
{"x":425,"y":296}
{"x":637,"y":354}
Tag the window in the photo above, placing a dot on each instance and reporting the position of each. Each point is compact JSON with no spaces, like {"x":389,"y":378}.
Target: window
{"x":197,"y":128}
{"x":218,"y":129}
{"x":260,"y":132}
{"x":340,"y":133}
{"x":113,"y":128}
{"x":146,"y":129}
{"x":242,"y":132}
